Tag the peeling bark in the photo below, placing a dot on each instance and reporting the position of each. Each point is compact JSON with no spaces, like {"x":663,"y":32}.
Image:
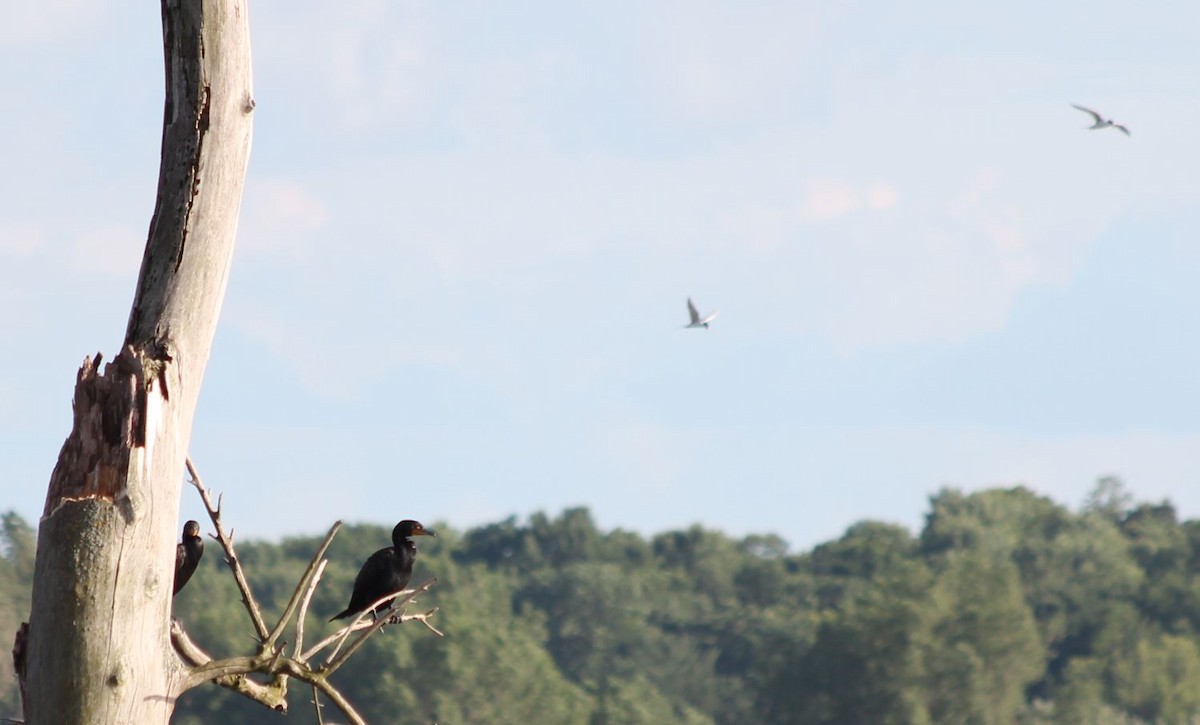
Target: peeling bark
{"x":109,"y":422}
{"x":98,"y":648}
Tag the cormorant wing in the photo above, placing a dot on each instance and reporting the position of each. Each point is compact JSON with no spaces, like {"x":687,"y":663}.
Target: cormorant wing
{"x":180,"y":563}
{"x":185,"y":565}
{"x":187,"y":555}
{"x":384,"y":572}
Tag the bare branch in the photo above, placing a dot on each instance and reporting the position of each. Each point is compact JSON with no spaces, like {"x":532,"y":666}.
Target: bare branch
{"x":232,"y":672}
{"x":226,"y":674}
{"x":316,"y":563}
{"x":317,"y":704}
{"x":303,"y":613}
{"x":358,"y":624}
{"x":235,"y":669}
{"x":340,"y":659}
{"x":338,"y":699}
{"x":270,"y":659}
{"x":226,"y":540}
{"x":422,"y":617}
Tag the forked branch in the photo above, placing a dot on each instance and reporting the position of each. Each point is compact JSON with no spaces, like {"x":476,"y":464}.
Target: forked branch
{"x":226,"y":540}
{"x":270,"y":660}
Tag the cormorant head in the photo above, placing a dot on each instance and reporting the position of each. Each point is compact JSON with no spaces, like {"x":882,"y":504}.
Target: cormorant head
{"x":191,"y":530}
{"x":409,"y":528}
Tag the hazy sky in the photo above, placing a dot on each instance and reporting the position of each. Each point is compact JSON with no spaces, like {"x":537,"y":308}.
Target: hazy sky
{"x":469,"y":229}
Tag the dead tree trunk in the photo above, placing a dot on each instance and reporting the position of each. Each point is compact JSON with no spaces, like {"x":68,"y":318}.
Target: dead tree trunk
{"x":98,"y":648}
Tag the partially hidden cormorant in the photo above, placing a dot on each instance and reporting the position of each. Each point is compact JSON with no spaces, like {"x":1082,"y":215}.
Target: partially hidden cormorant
{"x":187,"y":554}
{"x":386,"y":571}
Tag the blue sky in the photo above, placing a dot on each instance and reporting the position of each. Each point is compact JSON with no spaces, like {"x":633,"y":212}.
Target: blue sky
{"x":469,"y":230}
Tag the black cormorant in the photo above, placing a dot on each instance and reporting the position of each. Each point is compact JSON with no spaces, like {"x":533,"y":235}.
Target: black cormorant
{"x":386,"y":571}
{"x":187,"y":554}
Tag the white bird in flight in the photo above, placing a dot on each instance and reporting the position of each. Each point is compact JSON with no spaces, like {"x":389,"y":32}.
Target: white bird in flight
{"x":696,"y":320}
{"x":1101,"y":122}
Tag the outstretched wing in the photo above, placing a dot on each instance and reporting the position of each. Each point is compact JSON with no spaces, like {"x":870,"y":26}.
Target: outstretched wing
{"x":1122,"y":128}
{"x":692,"y":313}
{"x":1095,"y":116}
{"x":709,"y":319}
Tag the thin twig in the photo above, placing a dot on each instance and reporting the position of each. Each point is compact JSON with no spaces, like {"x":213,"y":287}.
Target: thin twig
{"x":343,"y":633}
{"x":360,"y":623}
{"x":340,"y":659}
{"x":422,"y":617}
{"x":303,"y":612}
{"x":338,"y":699}
{"x":226,"y":540}
{"x":298,"y":593}
{"x":317,"y":704}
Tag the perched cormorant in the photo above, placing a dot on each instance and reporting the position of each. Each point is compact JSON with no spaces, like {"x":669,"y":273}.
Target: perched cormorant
{"x":187,"y":554}
{"x":386,"y":571}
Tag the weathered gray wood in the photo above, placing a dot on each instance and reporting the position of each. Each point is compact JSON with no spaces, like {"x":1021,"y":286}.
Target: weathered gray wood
{"x":98,"y":648}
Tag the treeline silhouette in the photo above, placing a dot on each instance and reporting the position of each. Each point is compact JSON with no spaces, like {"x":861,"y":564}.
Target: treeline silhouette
{"x":1007,"y":607}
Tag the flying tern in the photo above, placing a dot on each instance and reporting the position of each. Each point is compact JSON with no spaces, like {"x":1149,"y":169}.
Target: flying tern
{"x":696,"y":319}
{"x":1100,"y":121}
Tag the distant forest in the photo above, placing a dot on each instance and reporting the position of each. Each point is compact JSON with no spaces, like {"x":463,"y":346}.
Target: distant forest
{"x":1006,"y":608}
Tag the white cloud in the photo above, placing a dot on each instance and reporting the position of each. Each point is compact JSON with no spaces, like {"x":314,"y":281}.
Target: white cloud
{"x":1154,"y":464}
{"x":945,"y":270}
{"x":279,"y":216}
{"x":653,"y":455}
{"x":715,"y":60}
{"x":825,"y":200}
{"x":765,"y":228}
{"x":927,"y":227}
{"x":761,"y":227}
{"x":26,"y":24}
{"x":371,"y":62}
{"x":110,"y":250}
{"x":498,"y":99}
{"x":20,"y":240}
{"x":882,"y":195}
{"x":476,"y":508}
{"x":307,"y":336}
{"x":1018,"y":262}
